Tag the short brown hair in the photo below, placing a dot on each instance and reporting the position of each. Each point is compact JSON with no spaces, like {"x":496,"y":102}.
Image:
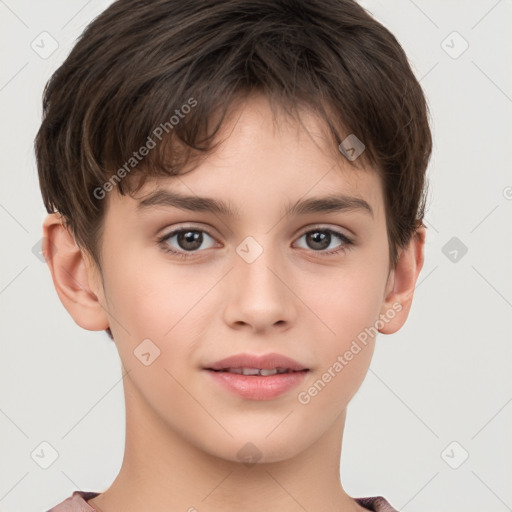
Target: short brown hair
{"x":139,"y":62}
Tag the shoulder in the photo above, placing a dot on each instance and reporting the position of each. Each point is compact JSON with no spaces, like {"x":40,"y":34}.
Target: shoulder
{"x":376,"y":504}
{"x":77,"y":502}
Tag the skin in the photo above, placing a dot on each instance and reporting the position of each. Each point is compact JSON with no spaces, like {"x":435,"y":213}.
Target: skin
{"x":183,"y":432}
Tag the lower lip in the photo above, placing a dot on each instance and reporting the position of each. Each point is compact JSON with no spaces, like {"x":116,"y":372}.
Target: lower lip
{"x":257,"y":387}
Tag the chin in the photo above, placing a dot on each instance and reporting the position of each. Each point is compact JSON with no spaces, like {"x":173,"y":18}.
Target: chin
{"x":255,"y":448}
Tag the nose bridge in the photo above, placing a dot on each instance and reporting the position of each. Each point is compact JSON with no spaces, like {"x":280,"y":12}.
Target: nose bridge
{"x":257,"y":263}
{"x":260,"y":298}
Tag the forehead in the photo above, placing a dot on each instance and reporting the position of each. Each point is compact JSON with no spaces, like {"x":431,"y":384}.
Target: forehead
{"x":266,"y":160}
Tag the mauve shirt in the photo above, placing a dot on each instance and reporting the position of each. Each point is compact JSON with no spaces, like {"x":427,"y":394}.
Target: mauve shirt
{"x":77,"y":502}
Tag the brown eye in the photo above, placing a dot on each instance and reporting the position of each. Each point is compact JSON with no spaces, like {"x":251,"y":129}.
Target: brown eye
{"x":319,"y":240}
{"x":189,"y":240}
{"x":185,"y":240}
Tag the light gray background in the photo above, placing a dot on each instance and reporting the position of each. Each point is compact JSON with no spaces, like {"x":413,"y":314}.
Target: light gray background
{"x":444,"y":377}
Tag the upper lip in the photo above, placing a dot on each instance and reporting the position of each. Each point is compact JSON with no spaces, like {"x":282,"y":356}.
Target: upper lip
{"x":263,"y":362}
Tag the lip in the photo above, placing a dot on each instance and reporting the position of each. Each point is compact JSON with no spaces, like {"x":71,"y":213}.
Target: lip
{"x":263,"y":361}
{"x":257,"y":387}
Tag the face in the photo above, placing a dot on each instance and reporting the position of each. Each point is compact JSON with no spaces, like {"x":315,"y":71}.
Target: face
{"x":185,"y":288}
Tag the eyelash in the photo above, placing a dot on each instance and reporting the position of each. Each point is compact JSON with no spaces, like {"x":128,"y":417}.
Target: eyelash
{"x":186,"y":255}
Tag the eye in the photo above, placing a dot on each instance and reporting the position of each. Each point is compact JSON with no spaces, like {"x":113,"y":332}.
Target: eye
{"x":187,"y":240}
{"x":184,"y":242}
{"x":321,"y":238}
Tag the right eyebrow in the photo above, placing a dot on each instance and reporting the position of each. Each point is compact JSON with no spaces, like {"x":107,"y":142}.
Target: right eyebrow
{"x":191,"y":203}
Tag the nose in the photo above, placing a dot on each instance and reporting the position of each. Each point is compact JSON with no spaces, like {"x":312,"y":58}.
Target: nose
{"x":260,"y":294}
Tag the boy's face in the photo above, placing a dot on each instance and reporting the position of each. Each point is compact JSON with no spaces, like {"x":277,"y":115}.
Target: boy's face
{"x":255,"y":284}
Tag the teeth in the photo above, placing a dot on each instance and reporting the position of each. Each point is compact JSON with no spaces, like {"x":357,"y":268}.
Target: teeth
{"x":268,"y":372}
{"x":250,"y":371}
{"x":257,"y":371}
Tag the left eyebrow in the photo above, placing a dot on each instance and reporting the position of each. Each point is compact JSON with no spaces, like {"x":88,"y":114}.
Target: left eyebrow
{"x":329,"y":204}
{"x":326,"y":204}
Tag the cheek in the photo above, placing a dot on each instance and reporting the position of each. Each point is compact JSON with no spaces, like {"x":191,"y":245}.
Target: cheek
{"x":345,"y":300}
{"x":346,"y":348}
{"x":348,"y":301}
{"x":168,"y":306}
{"x":330,"y":390}
{"x":348,"y":308}
{"x":152,"y":308}
{"x":151,"y":298}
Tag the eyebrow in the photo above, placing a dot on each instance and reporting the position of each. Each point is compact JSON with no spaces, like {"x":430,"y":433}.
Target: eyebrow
{"x":326,"y":204}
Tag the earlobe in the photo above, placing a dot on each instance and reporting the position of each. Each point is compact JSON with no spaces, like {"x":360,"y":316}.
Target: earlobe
{"x":73,"y":276}
{"x":401,"y":283}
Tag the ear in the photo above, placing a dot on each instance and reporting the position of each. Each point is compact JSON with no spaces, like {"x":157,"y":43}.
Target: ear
{"x":73,"y":275}
{"x":401,"y":283}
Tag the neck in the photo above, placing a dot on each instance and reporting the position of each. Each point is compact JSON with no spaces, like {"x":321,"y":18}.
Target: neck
{"x":163,"y":472}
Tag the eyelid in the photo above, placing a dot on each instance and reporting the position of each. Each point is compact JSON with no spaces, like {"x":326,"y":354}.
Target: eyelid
{"x":325,"y":227}
{"x":179,"y":227}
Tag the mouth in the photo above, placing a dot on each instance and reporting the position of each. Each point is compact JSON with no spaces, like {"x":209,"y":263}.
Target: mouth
{"x":257,"y":377}
{"x":257,"y":364}
{"x":258,"y":371}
